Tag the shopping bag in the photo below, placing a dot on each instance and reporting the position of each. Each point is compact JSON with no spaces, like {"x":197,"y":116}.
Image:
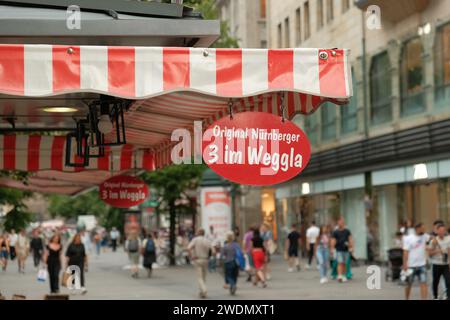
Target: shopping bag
{"x":271,"y":246}
{"x":42,"y":275}
{"x":247,"y":263}
{"x":64,"y":279}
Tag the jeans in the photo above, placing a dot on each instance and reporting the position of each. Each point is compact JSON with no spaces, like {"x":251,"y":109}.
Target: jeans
{"x":438,"y":271}
{"x":310,"y":253}
{"x":323,"y":254}
{"x":212,"y":264}
{"x":231,"y":273}
{"x":37,"y":255}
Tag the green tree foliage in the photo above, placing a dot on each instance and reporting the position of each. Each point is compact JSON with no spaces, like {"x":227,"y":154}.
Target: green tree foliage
{"x":18,"y":217}
{"x":85,"y":204}
{"x":209,"y":11}
{"x":71,"y":207}
{"x":171,"y":184}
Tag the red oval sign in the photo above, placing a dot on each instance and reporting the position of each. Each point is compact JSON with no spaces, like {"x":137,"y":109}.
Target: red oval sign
{"x":255,"y":148}
{"x":123,"y":191}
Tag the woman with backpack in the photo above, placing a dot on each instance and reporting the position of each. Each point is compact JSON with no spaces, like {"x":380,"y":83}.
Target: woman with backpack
{"x":230,"y":254}
{"x":148,"y":253}
{"x":132,"y":246}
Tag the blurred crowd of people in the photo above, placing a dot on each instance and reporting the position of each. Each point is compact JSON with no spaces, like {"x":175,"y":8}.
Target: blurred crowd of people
{"x":54,"y":250}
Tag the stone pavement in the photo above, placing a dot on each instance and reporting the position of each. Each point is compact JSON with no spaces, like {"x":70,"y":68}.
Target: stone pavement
{"x":108,"y":278}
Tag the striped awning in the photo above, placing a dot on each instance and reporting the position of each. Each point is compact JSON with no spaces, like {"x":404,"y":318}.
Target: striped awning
{"x":170,"y":88}
{"x":35,"y":153}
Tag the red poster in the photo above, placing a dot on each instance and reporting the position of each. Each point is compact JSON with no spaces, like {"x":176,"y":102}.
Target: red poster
{"x":255,"y":148}
{"x":123,"y":191}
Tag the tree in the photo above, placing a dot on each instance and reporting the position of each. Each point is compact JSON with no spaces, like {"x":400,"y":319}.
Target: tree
{"x":209,"y":10}
{"x":171,"y":184}
{"x":71,"y":207}
{"x":86,"y":204}
{"x":18,"y":217}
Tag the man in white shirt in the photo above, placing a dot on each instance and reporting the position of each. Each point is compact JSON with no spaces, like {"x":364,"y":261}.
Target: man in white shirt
{"x":312,"y":233}
{"x":199,"y":249}
{"x":114,"y":235}
{"x":415,"y":259}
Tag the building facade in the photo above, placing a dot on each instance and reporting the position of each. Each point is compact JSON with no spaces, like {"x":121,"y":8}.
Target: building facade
{"x":383,"y":158}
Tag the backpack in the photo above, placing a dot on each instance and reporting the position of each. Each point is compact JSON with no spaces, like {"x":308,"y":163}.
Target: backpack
{"x":150,"y":246}
{"x":133,"y":245}
{"x":240,"y":259}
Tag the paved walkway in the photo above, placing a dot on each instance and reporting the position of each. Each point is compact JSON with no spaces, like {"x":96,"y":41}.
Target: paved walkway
{"x":108,"y":279}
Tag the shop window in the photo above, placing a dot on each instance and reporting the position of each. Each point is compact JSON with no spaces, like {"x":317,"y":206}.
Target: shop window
{"x":330,"y":10}
{"x":262,"y":8}
{"x":349,"y":120}
{"x":286,"y":33}
{"x":412,"y":78}
{"x":312,"y":127}
{"x":319,"y":14}
{"x":380,"y":89}
{"x":298,"y":26}
{"x":442,"y":66}
{"x":306,"y":19}
{"x":328,"y":121}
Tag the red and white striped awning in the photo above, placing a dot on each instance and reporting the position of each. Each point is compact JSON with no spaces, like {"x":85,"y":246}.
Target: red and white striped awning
{"x":35,"y":153}
{"x":171,"y":87}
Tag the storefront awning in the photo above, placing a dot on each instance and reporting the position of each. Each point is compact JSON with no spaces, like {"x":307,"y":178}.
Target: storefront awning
{"x":170,"y":88}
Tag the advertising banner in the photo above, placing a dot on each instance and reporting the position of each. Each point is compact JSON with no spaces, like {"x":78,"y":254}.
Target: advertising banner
{"x":216,"y":210}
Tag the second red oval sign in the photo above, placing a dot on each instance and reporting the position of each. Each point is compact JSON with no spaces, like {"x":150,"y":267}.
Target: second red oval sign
{"x":123,"y":191}
{"x":255,"y":148}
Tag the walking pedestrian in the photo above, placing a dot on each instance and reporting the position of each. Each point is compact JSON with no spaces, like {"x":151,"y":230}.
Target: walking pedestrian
{"x":439,"y":252}
{"x":22,"y":250}
{"x":311,"y":237}
{"x":13,"y":237}
{"x":415,"y":260}
{"x":270,"y":247}
{"x":97,"y":242}
{"x":259,"y":258}
{"x":323,"y":252}
{"x":114,"y":235}
{"x":4,"y":251}
{"x":229,"y":257}
{"x":247,"y":245}
{"x":37,"y":248}
{"x":199,"y":250}
{"x":293,"y":242}
{"x":53,"y":258}
{"x":341,"y":245}
{"x":132,"y":246}
{"x":149,"y":254}
{"x":76,"y":256}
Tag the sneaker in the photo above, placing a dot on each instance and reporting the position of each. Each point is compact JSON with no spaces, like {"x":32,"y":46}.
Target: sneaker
{"x":298,"y":267}
{"x":308,"y":267}
{"x":202,"y":295}
{"x":322,"y":280}
{"x":344,"y":279}
{"x":290,"y":270}
{"x":233,"y":290}
{"x":83,"y":290}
